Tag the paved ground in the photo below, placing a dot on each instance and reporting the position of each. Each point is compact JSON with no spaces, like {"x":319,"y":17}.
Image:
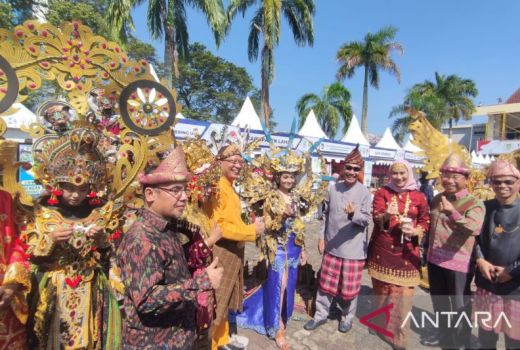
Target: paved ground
{"x":327,"y":336}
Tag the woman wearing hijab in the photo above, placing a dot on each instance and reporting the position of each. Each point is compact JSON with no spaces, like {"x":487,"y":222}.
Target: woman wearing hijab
{"x":400,"y":214}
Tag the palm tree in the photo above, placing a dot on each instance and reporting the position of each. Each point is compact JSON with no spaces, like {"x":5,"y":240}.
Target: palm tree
{"x":267,"y":21}
{"x":430,"y":104}
{"x":447,"y":99}
{"x":332,"y":107}
{"x":373,"y":54}
{"x":167,"y":17}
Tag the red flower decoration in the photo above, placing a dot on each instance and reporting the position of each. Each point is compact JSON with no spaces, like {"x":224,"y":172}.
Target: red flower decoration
{"x":73,"y":283}
{"x":92,"y":195}
{"x":115,"y":235}
{"x":52,"y":201}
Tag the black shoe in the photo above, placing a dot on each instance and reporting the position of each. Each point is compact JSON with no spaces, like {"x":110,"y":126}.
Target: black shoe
{"x":344,"y":327}
{"x":312,"y":325}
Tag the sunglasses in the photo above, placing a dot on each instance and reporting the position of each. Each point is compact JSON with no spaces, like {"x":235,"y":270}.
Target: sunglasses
{"x":352,"y":168}
{"x":505,"y":182}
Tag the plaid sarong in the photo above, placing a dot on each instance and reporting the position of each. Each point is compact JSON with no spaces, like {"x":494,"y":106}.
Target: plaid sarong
{"x":230,"y":294}
{"x":341,"y":277}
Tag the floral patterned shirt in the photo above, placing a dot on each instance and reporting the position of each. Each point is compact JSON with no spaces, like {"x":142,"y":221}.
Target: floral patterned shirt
{"x":160,"y":294}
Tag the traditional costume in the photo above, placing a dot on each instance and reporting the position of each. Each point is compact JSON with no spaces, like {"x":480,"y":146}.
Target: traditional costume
{"x":450,"y":249}
{"x":345,"y":246}
{"x":498,"y":244}
{"x":14,"y":269}
{"x":394,"y":260}
{"x":225,"y":210}
{"x":269,"y":307}
{"x":72,"y":305}
{"x":161,"y":295}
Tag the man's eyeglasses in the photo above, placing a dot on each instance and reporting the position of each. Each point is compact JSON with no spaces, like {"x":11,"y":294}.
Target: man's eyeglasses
{"x":235,"y":161}
{"x":352,"y":168}
{"x":175,"y":191}
{"x":505,"y":182}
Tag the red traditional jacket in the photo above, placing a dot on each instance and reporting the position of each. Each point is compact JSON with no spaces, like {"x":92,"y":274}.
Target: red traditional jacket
{"x":14,"y":268}
{"x":391,"y":257}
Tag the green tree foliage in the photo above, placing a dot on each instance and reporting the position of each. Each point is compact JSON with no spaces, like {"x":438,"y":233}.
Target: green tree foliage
{"x":211,"y":88}
{"x":87,"y":12}
{"x":267,"y":22}
{"x":6,"y":15}
{"x":330,"y":108}
{"x":168,"y":18}
{"x":447,"y":99}
{"x":373,"y":54}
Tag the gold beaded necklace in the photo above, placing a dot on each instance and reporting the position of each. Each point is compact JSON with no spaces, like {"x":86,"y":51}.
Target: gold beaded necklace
{"x":407,"y":202}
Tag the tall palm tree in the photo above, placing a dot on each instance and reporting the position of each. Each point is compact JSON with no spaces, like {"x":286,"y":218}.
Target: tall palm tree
{"x":267,"y":21}
{"x":447,"y":99}
{"x":167,"y":17}
{"x":332,"y":107}
{"x":373,"y":54}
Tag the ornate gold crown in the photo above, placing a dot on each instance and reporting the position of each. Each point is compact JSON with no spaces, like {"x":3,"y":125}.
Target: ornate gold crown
{"x":72,"y":158}
{"x":287,"y":161}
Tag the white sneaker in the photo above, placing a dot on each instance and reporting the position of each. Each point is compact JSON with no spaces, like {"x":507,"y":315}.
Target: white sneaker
{"x":239,"y":341}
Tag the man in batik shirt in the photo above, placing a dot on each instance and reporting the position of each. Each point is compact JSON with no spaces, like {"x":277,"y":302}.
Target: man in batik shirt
{"x":160,"y":293}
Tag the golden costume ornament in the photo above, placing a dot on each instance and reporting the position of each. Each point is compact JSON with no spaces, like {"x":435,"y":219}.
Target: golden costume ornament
{"x":71,"y":146}
{"x":263,"y":198}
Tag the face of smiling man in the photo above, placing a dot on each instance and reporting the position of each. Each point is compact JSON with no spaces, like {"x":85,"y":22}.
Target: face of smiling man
{"x":506,"y":188}
{"x":351,"y":172}
{"x":231,"y":167}
{"x":167,"y":200}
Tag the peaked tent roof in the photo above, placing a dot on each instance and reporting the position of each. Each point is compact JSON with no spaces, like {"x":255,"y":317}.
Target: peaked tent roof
{"x":21,"y":116}
{"x":354,"y":134}
{"x":410,"y":147}
{"x":388,"y":141}
{"x":179,"y":116}
{"x":247,"y":116}
{"x":311,"y":127}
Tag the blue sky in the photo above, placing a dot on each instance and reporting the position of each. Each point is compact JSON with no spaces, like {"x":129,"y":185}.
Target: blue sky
{"x":478,"y":40}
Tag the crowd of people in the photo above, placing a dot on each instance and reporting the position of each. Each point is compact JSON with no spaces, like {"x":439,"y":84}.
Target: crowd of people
{"x":181,"y":286}
{"x":462,"y":237}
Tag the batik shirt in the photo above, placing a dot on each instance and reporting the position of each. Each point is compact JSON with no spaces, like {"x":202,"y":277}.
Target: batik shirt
{"x":160,"y":294}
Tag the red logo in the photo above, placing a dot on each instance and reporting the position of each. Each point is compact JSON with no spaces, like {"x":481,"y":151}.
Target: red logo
{"x":383,"y":310}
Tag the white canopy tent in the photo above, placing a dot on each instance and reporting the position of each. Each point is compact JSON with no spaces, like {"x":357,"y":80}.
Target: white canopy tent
{"x":311,"y":127}
{"x":388,"y":141}
{"x":22,"y":116}
{"x":410,"y":147}
{"x":247,"y":117}
{"x":180,"y":116}
{"x":354,"y":133}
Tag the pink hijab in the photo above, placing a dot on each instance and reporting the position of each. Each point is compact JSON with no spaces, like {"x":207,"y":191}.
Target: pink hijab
{"x":411,"y":184}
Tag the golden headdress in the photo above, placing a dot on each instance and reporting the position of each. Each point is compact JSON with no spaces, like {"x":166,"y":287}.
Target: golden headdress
{"x":435,"y":146}
{"x":73,"y":158}
{"x":286,"y":161}
{"x":96,"y":78}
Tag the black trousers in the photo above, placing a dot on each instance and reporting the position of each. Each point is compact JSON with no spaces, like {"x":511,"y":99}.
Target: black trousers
{"x":489,"y":339}
{"x":450,"y":292}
